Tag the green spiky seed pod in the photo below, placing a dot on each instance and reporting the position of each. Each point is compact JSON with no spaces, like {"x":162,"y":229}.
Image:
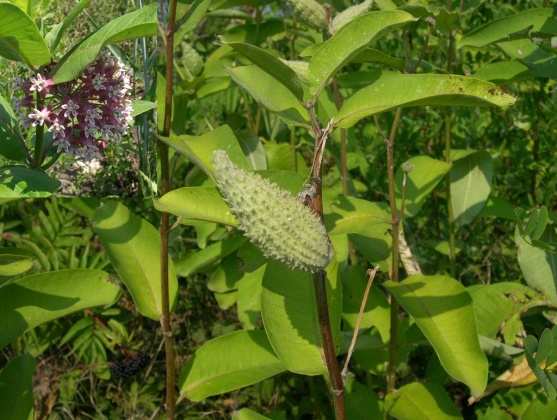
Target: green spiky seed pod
{"x":191,"y":60}
{"x":273,"y":219}
{"x":310,"y":12}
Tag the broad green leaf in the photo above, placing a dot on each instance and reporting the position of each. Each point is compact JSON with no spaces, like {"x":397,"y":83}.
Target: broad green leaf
{"x":443,"y":311}
{"x":538,"y":266}
{"x":198,"y":260}
{"x":271,"y":65}
{"x":417,"y":401}
{"x":255,"y":152}
{"x":496,"y":303}
{"x":133,"y":245}
{"x":33,"y":300}
{"x":17,"y":182}
{"x":349,"y":41}
{"x":16,"y":388}
{"x":366,"y":223}
{"x":423,"y":175}
{"x":270,"y":93}
{"x":14,"y":264}
{"x":470,"y":186}
{"x":139,"y":23}
{"x":228,"y":363}
{"x":55,"y":34}
{"x":535,"y":20}
{"x":20,"y":39}
{"x":392,"y":90}
{"x":248,"y":414}
{"x":200,"y":148}
{"x":141,"y":107}
{"x":226,"y":300}
{"x":200,"y":203}
{"x":289,"y":314}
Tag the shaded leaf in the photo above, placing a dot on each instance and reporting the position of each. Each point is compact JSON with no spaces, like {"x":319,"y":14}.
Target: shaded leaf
{"x":443,"y":311}
{"x":423,"y":175}
{"x":133,"y":245}
{"x":17,"y":182}
{"x":33,"y":300}
{"x":470,"y":186}
{"x":16,"y":388}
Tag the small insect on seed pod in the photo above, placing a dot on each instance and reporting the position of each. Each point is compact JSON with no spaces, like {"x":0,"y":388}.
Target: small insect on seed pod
{"x":272,"y":218}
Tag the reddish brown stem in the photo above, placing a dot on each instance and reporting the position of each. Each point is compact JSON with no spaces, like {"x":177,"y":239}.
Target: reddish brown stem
{"x":395,"y":220}
{"x":165,"y":221}
{"x":320,"y":277}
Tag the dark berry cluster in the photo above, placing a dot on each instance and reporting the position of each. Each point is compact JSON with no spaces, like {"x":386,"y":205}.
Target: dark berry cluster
{"x":129,"y":366}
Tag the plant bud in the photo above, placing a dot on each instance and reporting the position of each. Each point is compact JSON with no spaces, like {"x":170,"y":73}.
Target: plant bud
{"x":311,"y":12}
{"x":191,"y":60}
{"x":273,"y":219}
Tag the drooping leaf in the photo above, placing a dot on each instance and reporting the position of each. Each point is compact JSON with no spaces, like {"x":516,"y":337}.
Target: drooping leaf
{"x":423,"y":175}
{"x":227,"y":363}
{"x":33,"y":300}
{"x":200,"y":203}
{"x":17,"y":182}
{"x":200,"y":148}
{"x":391,"y":90}
{"x":16,"y":388}
{"x":139,"y":23}
{"x":535,"y":20}
{"x":289,"y":314}
{"x":272,"y":65}
{"x":20,"y":39}
{"x":349,"y":41}
{"x":418,"y":401}
{"x":270,"y":92}
{"x":470,"y":186}
{"x":133,"y":245}
{"x":538,"y":266}
{"x":443,"y":311}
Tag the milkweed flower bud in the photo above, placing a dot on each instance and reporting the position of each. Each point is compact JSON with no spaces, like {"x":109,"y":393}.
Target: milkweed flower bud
{"x":272,"y":218}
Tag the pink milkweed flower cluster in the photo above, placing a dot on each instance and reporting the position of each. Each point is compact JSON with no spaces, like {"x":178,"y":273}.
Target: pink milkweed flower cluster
{"x":84,"y":114}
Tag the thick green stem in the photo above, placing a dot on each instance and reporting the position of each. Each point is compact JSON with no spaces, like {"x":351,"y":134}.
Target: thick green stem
{"x":164,"y":228}
{"x":395,"y":221}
